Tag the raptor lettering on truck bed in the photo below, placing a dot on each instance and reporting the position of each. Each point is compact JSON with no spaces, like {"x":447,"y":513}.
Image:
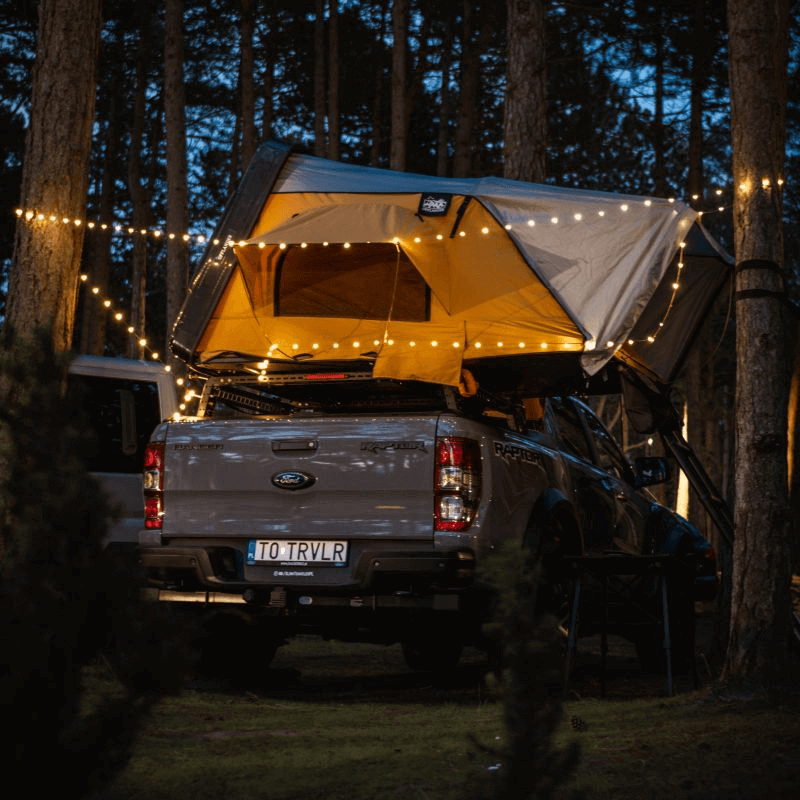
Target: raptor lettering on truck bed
{"x":360,"y":507}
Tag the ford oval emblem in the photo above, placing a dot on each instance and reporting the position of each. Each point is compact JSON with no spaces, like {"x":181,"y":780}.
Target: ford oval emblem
{"x":293,"y":479}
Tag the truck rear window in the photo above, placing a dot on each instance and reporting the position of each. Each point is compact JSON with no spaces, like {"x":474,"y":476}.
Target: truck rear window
{"x":246,"y":399}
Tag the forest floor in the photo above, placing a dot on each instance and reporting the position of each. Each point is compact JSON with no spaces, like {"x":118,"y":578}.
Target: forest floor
{"x":334,"y":720}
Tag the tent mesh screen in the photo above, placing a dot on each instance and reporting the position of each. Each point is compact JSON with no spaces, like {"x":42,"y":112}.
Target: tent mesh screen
{"x":360,"y":281}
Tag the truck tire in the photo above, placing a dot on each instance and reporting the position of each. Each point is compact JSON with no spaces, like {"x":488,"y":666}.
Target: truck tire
{"x":547,"y":540}
{"x":432,"y":651}
{"x":236,"y":648}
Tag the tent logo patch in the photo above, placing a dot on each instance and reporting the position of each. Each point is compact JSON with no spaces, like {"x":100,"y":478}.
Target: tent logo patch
{"x":434,"y":205}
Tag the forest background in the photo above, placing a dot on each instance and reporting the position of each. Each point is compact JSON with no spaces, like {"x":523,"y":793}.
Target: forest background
{"x":637,"y":102}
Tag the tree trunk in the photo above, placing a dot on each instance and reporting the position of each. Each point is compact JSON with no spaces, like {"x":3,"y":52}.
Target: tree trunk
{"x":177,"y":218}
{"x":319,"y":78}
{"x":470,"y":65}
{"x":442,"y":154}
{"x":525,"y":117}
{"x":44,"y":272}
{"x":699,"y":61}
{"x":95,"y":317}
{"x":397,"y":155}
{"x":659,"y":170}
{"x":268,"y":88}
{"x":377,"y":136}
{"x":138,"y":192}
{"x":247,"y":89}
{"x":695,"y":395}
{"x":760,"y":610}
{"x":334,"y":133}
{"x":793,"y":456}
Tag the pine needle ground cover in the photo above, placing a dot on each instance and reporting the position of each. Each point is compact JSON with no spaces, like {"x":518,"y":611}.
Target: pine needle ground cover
{"x":350,"y":721}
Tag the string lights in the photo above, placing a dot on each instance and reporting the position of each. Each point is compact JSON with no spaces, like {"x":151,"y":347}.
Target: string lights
{"x":185,"y":388}
{"x":33,"y":215}
{"x":676,"y":285}
{"x":292,"y":350}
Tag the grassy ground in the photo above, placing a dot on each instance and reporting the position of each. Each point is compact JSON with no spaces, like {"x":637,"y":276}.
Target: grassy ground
{"x":332,"y":720}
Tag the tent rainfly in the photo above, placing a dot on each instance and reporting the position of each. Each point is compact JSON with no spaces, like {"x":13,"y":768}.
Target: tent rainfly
{"x":418,"y":276}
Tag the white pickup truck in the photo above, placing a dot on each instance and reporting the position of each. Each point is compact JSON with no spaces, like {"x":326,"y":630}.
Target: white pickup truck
{"x":323,"y":500}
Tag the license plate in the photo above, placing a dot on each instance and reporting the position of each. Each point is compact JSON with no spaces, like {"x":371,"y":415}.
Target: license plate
{"x":297,"y":552}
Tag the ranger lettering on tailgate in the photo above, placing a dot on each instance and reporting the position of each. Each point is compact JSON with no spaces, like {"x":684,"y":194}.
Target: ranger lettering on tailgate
{"x":373,"y":447}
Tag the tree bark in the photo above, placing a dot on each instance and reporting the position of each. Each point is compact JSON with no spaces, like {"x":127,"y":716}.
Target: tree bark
{"x":268,"y":88}
{"x":468,"y":98}
{"x":442,"y":154}
{"x":397,"y":153}
{"x":247,"y":89}
{"x":95,"y":318}
{"x":320,"y":146}
{"x":175,"y":130}
{"x":377,"y":135}
{"x":138,"y":192}
{"x":44,"y":272}
{"x":659,"y":77}
{"x":760,"y":605}
{"x":699,"y":61}
{"x":334,"y":133}
{"x":525,"y":117}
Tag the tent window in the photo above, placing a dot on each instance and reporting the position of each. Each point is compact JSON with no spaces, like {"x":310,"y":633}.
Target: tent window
{"x":363,"y":281}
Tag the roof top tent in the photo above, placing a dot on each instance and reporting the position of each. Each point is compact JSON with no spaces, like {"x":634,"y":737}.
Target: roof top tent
{"x":417,"y":276}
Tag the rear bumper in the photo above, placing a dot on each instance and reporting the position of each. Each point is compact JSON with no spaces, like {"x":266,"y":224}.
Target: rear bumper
{"x":220,"y":567}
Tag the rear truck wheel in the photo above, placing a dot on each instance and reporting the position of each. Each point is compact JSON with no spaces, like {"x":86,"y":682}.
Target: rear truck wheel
{"x":548,"y":539}
{"x":432,"y":651}
{"x":236,"y":647}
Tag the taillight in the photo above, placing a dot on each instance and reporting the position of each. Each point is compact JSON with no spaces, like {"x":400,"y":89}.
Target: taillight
{"x":708,"y":565}
{"x":458,"y":483}
{"x":153,"y":483}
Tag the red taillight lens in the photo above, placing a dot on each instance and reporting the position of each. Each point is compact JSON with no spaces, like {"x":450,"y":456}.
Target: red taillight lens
{"x":458,"y":483}
{"x":152,"y":512}
{"x":709,"y":565}
{"x":153,"y":484}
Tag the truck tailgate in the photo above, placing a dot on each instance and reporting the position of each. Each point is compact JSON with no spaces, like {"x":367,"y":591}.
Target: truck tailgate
{"x":222,"y":478}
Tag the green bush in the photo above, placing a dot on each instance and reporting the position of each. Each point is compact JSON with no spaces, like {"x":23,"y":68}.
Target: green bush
{"x":531,"y":662}
{"x":61,"y":595}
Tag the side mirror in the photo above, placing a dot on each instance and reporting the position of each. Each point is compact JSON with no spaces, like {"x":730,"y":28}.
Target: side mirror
{"x":650,"y":470}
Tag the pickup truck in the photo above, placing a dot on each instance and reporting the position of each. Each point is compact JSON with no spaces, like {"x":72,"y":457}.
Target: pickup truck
{"x":320,"y":499}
